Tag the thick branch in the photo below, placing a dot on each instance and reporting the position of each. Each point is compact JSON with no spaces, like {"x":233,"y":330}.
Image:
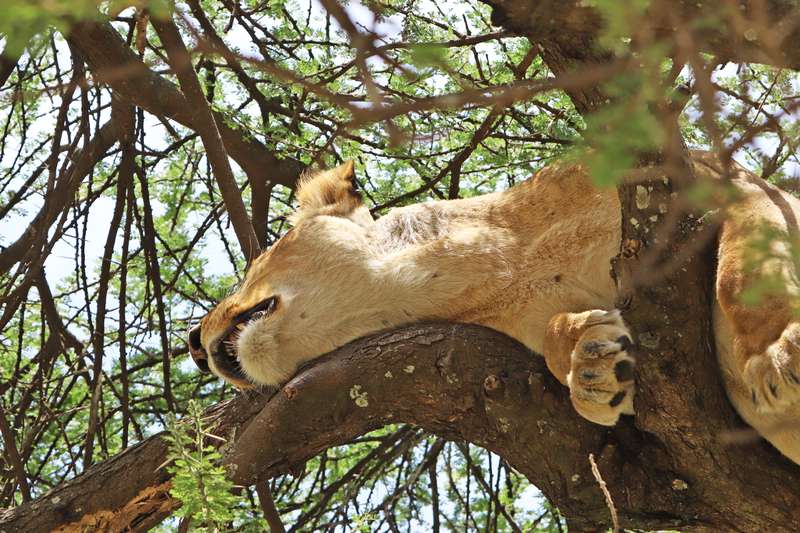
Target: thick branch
{"x":8,"y":62}
{"x":755,"y":31}
{"x":137,"y":476}
{"x":460,"y":382}
{"x":681,"y":406}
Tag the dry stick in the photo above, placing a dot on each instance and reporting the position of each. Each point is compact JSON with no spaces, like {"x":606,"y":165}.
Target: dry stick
{"x":183,"y":525}
{"x":154,"y":272}
{"x":478,"y":475}
{"x":259,"y":184}
{"x":268,"y":506}
{"x":389,"y":443}
{"x":606,"y":494}
{"x":464,"y":502}
{"x":496,"y":95}
{"x":434,"y":495}
{"x":32,"y":240}
{"x":478,"y":96}
{"x":270,"y":67}
{"x":124,"y":181}
{"x":454,"y":165}
{"x":363,"y":44}
{"x":113,"y":63}
{"x":22,"y":192}
{"x":123,"y":295}
{"x":12,"y":455}
{"x":206,"y":126}
{"x":66,"y":101}
{"x":51,"y":348}
{"x":56,"y":203}
{"x":431,"y":456}
{"x":53,"y":318}
{"x":453,"y":43}
{"x":8,"y":63}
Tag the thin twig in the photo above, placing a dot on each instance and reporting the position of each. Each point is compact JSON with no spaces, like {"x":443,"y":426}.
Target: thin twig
{"x":268,"y":506}
{"x":606,"y":494}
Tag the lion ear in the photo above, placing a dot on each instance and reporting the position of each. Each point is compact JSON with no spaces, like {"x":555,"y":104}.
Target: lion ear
{"x":328,"y":192}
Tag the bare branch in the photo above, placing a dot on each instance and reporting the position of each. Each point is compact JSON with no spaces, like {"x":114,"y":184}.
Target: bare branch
{"x":206,"y":126}
{"x":268,"y":506}
{"x":36,"y":234}
{"x":115,"y":64}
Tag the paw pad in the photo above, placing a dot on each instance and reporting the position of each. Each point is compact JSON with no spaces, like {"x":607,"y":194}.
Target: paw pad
{"x":617,"y":399}
{"x":773,"y":386}
{"x":602,"y":372}
{"x":624,"y":371}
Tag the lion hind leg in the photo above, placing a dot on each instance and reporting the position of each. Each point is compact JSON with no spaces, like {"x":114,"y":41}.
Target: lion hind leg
{"x":765,"y":334}
{"x":773,"y":377}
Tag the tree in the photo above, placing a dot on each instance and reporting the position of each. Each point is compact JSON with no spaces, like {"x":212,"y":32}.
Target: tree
{"x":105,"y":121}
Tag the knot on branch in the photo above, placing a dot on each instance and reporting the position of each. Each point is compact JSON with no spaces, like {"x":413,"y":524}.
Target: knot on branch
{"x":493,"y":386}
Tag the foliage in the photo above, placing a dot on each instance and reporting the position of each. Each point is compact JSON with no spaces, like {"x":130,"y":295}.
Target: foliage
{"x":198,"y":481}
{"x":26,"y":19}
{"x":295,"y":87}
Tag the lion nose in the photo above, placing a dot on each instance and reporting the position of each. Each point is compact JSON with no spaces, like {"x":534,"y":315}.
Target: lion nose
{"x":196,"y":349}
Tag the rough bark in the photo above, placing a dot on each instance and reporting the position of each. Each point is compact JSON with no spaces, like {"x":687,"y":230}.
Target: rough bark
{"x":666,"y":468}
{"x":749,"y":31}
{"x":682,"y":411}
{"x":460,"y":382}
{"x":136,"y":475}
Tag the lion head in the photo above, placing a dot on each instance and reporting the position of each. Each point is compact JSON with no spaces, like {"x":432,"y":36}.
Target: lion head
{"x":308,"y":294}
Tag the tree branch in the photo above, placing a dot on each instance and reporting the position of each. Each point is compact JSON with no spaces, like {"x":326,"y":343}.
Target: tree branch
{"x":12,"y":456}
{"x":747,"y":31}
{"x":666,"y":468}
{"x":271,"y":514}
{"x":66,"y":187}
{"x":678,"y":374}
{"x":207,"y":127}
{"x":8,"y":62}
{"x":460,"y":382}
{"x":114,"y":63}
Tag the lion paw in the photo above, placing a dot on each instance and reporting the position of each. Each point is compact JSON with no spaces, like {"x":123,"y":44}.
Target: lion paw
{"x":774,"y":376}
{"x":601,"y":377}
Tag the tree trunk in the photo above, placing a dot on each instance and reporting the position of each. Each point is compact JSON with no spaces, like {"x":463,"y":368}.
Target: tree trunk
{"x":681,"y":407}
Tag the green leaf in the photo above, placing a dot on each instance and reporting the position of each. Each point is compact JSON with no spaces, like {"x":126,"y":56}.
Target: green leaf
{"x":426,"y":55}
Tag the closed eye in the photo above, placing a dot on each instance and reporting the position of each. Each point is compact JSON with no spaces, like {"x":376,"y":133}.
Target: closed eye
{"x":260,"y":310}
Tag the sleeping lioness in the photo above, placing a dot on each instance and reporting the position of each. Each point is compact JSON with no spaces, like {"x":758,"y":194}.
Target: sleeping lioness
{"x":532,"y":262}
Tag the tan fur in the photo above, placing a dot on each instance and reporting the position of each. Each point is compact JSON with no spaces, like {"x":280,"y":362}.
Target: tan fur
{"x":532,"y":262}
{"x":584,"y":352}
{"x":330,"y":192}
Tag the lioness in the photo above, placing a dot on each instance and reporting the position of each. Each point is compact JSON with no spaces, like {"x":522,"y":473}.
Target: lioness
{"x":532,"y":262}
